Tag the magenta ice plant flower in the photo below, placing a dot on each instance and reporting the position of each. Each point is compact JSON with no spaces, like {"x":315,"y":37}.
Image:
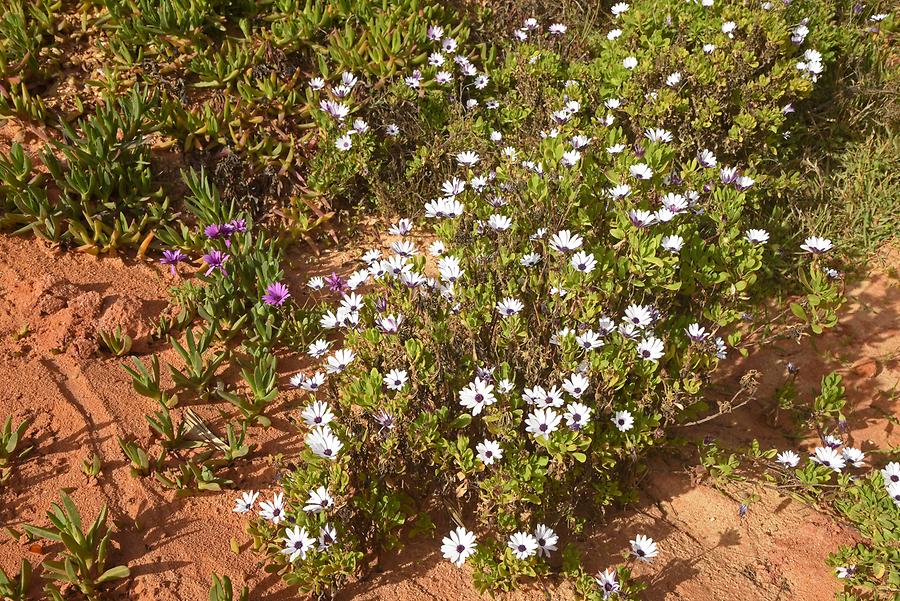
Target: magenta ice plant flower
{"x":215,"y":259}
{"x":172,"y":257}
{"x":276,"y":294}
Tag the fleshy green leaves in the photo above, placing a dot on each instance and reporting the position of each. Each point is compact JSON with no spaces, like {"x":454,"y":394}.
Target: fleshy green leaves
{"x":82,"y":561}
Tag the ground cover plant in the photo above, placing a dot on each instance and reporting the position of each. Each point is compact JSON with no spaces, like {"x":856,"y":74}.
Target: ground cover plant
{"x":558,"y":341}
{"x":834,"y":478}
{"x":584,"y":223}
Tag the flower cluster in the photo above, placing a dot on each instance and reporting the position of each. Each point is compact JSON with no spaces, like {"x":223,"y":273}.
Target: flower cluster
{"x":562,"y":291}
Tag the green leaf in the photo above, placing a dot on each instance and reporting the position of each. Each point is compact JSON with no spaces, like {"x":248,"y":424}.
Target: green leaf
{"x":41,"y":533}
{"x":116,"y":573}
{"x":462,"y":421}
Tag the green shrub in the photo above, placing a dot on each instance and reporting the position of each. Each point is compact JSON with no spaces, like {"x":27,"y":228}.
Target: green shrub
{"x":592,"y":262}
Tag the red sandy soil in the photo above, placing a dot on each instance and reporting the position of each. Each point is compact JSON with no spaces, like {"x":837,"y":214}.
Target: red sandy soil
{"x":81,"y":401}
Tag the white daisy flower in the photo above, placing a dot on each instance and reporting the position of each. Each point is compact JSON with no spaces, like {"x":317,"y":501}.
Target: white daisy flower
{"x":467,"y":158}
{"x":788,"y":458}
{"x":458,"y":545}
{"x":546,"y":540}
{"x":488,"y":452}
{"x":509,"y":306}
{"x":297,"y":543}
{"x":576,"y":384}
{"x":323,"y":443}
{"x":829,"y":457}
{"x":623,"y":420}
{"x":619,"y":8}
{"x":523,"y":545}
{"x":672,"y":243}
{"x":245,"y":503}
{"x":754,"y":236}
{"x":395,"y":379}
{"x":477,"y":395}
{"x":339,"y":361}
{"x":327,"y":537}
{"x":816,"y":245}
{"x":853,"y":456}
{"x":542,"y":422}
{"x":317,"y":414}
{"x":577,"y":415}
{"x":343,"y":143}
{"x":608,"y":583}
{"x":319,"y":500}
{"x":583,"y":262}
{"x":643,"y":547}
{"x":891,"y":473}
{"x":565,"y":241}
{"x":274,"y":510}
{"x":589,"y":340}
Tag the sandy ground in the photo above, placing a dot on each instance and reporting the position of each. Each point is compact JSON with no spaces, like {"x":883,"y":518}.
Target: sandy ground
{"x":81,"y":401}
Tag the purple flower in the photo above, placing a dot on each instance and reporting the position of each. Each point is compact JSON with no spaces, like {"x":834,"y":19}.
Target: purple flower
{"x":238,"y":226}
{"x":171,"y":257}
{"x":742,"y":510}
{"x":336,"y":283}
{"x":276,"y":294}
{"x":639,"y":151}
{"x":213,"y":231}
{"x":381,"y":304}
{"x":384,"y":419}
{"x":216,"y":260}
{"x":485,"y":373}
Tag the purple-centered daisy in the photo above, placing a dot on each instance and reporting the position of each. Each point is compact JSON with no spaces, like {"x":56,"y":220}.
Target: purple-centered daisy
{"x":216,"y":260}
{"x":171,"y":257}
{"x":276,"y":294}
{"x":336,"y":283}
